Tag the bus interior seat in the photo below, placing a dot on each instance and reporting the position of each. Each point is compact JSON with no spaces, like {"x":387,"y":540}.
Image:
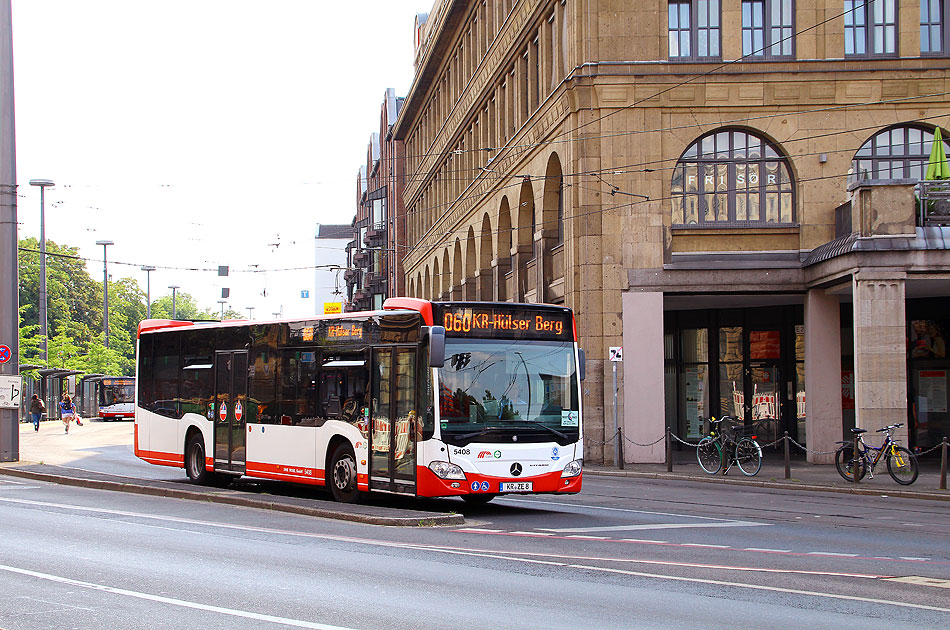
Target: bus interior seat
{"x":333,"y":407}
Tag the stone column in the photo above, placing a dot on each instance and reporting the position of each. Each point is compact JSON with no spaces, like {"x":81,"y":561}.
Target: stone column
{"x":644,"y":407}
{"x":880,"y":362}
{"x":822,"y":374}
{"x":499,"y":275}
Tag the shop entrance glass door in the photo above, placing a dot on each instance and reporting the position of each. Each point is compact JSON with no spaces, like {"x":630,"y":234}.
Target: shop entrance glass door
{"x":765,"y":408}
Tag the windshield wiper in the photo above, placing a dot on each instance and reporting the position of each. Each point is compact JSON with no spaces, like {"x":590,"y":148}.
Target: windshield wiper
{"x":563,"y":436}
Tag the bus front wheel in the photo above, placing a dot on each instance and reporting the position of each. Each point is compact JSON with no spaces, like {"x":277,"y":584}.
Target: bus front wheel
{"x":342,"y":478}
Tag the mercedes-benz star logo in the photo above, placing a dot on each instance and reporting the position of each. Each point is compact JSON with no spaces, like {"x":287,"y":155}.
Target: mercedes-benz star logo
{"x":515,"y":469}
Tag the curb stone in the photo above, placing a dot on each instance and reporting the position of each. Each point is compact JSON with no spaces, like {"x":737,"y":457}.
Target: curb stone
{"x":419,"y":519}
{"x":938,"y":495}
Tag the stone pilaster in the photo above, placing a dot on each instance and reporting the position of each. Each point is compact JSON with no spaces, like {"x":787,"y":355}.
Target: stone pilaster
{"x":644,"y":415}
{"x":822,"y":374}
{"x":880,"y":363}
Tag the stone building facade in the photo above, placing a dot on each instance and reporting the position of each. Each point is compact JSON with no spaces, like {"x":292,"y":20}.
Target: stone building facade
{"x":374,"y":266}
{"x":725,"y":188}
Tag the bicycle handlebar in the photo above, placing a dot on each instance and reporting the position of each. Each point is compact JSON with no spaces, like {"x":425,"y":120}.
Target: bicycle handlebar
{"x":891,"y":427}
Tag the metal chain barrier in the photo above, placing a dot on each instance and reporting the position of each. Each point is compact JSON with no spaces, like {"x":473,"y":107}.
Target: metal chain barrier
{"x":657,"y":441}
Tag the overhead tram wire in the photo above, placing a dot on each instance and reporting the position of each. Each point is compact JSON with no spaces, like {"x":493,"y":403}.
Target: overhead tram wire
{"x":697,"y":76}
{"x":172,"y":268}
{"x":721,"y":66}
{"x":662,"y":165}
{"x":615,"y":169}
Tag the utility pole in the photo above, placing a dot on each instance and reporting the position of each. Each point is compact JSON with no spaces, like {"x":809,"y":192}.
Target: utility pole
{"x":9,"y":296}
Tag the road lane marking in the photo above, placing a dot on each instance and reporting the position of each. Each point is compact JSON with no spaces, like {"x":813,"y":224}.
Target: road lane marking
{"x":760,"y":587}
{"x":832,"y":554}
{"x":643,"y":541}
{"x":297,"y":623}
{"x":918,"y":580}
{"x":620,"y":528}
{"x":605,"y":508}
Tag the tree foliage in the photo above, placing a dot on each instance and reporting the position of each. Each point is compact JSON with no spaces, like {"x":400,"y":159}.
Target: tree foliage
{"x":75,"y":315}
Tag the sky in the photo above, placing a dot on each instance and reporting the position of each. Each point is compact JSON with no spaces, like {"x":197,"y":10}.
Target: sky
{"x":201,"y":133}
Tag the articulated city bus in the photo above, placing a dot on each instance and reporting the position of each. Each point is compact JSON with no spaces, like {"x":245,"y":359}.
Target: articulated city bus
{"x":107,"y":397}
{"x":427,"y":399}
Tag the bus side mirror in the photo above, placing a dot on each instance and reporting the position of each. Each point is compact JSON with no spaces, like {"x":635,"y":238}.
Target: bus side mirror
{"x":582,"y":363}
{"x":436,"y":346}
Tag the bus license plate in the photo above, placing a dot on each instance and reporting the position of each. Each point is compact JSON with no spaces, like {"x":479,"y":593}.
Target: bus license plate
{"x":516,"y":486}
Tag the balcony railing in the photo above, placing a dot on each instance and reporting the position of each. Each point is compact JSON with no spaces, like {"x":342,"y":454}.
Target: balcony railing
{"x":933,"y":202}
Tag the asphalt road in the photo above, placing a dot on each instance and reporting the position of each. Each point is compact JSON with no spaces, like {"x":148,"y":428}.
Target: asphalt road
{"x":624,"y":553}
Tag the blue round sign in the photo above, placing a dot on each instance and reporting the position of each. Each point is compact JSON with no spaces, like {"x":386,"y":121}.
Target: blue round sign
{"x":5,"y":354}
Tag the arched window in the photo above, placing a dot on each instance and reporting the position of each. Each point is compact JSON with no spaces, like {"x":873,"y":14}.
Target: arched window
{"x":732,"y":178}
{"x":899,"y":152}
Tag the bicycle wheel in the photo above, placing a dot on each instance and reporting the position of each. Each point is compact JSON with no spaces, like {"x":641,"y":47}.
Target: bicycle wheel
{"x":847,"y":465}
{"x":709,"y":455}
{"x":749,"y":456}
{"x":902,"y":466}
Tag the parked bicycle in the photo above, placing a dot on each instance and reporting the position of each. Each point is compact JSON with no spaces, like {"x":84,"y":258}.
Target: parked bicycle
{"x":901,"y":463}
{"x":720,"y":451}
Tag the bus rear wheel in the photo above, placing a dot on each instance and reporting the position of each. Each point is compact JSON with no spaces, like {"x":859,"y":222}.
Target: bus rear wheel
{"x":342,"y":477}
{"x":195,"y":461}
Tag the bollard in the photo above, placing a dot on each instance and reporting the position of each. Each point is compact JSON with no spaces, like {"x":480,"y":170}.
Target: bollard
{"x":620,"y":443}
{"x":788,"y":470}
{"x":669,"y":451}
{"x":943,"y":464}
{"x":855,"y":465}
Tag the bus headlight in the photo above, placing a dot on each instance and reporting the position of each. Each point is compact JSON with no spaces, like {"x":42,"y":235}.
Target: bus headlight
{"x":573,"y":469}
{"x":445,"y":470}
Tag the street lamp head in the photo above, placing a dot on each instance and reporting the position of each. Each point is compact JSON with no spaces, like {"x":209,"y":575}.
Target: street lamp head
{"x":41,"y":182}
{"x":173,"y":286}
{"x":105,"y":243}
{"x":148,"y":268}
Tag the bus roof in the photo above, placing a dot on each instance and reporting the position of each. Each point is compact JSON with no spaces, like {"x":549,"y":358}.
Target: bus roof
{"x":153,"y":325}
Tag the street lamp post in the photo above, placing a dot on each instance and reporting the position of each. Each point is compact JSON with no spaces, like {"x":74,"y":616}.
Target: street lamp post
{"x":174,"y":288}
{"x":222,"y":303}
{"x":105,"y":289}
{"x":9,"y":298}
{"x":148,"y":269}
{"x":250,"y":312}
{"x":43,"y":184}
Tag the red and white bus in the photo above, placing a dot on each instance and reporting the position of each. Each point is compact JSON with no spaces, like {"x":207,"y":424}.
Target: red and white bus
{"x":427,"y":399}
{"x":106,"y":397}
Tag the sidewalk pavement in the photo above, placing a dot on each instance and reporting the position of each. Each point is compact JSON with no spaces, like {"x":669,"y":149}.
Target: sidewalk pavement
{"x":803,"y":476}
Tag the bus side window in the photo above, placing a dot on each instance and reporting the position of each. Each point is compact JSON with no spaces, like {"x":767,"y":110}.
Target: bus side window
{"x":145,"y":373}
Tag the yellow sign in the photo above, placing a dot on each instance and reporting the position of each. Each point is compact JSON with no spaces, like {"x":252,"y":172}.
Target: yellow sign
{"x":331,"y":308}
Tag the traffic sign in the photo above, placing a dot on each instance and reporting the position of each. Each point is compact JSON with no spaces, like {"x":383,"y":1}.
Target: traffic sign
{"x":11,"y":388}
{"x":223,"y":412}
{"x":238,"y":411}
{"x":616,"y":353}
{"x":5,"y":353}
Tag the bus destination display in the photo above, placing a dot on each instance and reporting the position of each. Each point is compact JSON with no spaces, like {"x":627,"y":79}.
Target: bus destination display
{"x":506,"y":323}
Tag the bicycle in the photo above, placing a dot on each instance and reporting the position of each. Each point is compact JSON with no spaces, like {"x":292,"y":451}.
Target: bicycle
{"x":718,"y":451}
{"x":901,"y":463}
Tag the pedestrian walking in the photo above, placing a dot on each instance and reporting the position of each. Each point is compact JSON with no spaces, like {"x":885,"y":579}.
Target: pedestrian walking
{"x":37,"y":409}
{"x":67,"y":410}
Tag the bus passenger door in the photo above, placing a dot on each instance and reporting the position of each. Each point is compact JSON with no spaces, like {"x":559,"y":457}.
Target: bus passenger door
{"x":392,"y":420}
{"x":229,"y":419}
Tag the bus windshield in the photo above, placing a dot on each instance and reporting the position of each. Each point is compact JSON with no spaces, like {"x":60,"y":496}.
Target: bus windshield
{"x":494,"y":390}
{"x":113,"y":394}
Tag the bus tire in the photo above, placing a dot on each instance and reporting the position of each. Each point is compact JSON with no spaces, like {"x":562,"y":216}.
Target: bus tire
{"x":342,"y":474}
{"x":195,"y":461}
